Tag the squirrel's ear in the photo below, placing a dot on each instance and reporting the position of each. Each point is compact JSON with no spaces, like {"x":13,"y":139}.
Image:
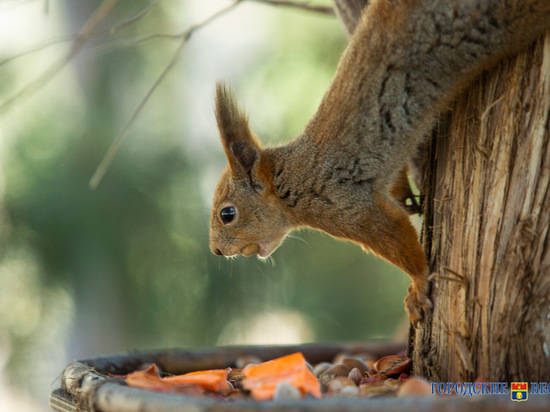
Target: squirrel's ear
{"x":241,"y":147}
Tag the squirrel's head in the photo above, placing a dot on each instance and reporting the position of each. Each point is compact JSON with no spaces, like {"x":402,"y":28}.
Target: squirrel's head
{"x":246,"y":218}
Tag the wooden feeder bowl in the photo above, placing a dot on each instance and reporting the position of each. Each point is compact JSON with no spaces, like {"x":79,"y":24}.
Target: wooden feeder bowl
{"x":87,"y":385}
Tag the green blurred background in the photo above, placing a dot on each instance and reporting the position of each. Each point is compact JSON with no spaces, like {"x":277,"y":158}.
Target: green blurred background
{"x":84,"y":273}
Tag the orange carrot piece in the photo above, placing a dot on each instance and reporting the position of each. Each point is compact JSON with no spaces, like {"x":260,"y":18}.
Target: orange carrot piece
{"x":214,"y":380}
{"x":148,"y":379}
{"x":262,"y":380}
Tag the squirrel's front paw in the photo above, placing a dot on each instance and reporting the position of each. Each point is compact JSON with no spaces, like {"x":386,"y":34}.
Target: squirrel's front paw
{"x":417,"y":304}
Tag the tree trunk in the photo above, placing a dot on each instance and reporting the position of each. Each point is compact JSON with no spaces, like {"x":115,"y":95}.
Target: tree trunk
{"x":486,"y":223}
{"x":486,"y":227}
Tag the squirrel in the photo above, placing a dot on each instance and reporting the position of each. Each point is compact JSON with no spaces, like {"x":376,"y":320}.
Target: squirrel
{"x":346,"y":173}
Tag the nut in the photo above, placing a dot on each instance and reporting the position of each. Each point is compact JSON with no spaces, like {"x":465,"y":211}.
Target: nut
{"x":415,"y":387}
{"x":351,"y":363}
{"x":337,"y":384}
{"x":392,"y":365}
{"x":246,"y":360}
{"x":342,"y":355}
{"x":375,"y":389}
{"x":285,"y":390}
{"x":349,"y":391}
{"x":355,"y":375}
{"x":338,"y":370}
{"x":320,"y":368}
{"x":235,"y":375}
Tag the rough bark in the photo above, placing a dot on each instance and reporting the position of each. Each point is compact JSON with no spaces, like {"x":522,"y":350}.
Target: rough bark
{"x":486,"y":229}
{"x":487,"y":217}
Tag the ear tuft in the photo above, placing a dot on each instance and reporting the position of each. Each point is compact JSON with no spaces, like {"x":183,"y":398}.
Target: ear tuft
{"x":232,"y":121}
{"x":240,"y":145}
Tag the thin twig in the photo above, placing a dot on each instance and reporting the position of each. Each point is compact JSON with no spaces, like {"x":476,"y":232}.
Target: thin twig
{"x":113,"y":149}
{"x":108,"y":45}
{"x":301,"y":5}
{"x":129,"y":40}
{"x":72,"y":37}
{"x":143,"y":12}
{"x":87,"y":30}
{"x":145,"y":38}
{"x":140,"y":14}
{"x":37,"y":48}
{"x":176,"y":36}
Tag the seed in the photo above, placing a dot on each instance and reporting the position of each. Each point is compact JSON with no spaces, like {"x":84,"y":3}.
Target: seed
{"x":235,"y":375}
{"x":371,"y":379}
{"x":246,"y":360}
{"x":392,"y":365}
{"x":349,"y":391}
{"x":365,"y":356}
{"x":415,"y":387}
{"x":338,"y":370}
{"x":355,"y":375}
{"x":320,"y":368}
{"x":356,"y":363}
{"x":392,"y":383}
{"x":337,"y":384}
{"x":285,"y":390}
{"x":342,"y":355}
{"x":375,"y":389}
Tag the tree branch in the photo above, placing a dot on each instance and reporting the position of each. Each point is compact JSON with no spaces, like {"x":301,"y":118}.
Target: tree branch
{"x":145,"y":38}
{"x":139,"y":15}
{"x":113,"y":30}
{"x":87,"y":30}
{"x":301,"y":5}
{"x":38,"y":47}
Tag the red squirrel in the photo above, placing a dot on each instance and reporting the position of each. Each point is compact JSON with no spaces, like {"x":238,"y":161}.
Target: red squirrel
{"x":405,"y":62}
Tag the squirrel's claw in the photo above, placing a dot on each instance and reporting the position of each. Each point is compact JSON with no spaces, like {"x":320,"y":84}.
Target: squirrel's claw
{"x":417,"y":304}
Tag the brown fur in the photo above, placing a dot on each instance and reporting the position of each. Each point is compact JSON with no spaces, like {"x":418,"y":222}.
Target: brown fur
{"x":405,"y":61}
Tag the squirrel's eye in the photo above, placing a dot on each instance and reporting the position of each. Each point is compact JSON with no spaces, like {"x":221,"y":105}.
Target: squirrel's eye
{"x":227,"y":214}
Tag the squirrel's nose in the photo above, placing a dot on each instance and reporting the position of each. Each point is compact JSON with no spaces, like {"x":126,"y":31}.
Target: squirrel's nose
{"x":218,"y":252}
